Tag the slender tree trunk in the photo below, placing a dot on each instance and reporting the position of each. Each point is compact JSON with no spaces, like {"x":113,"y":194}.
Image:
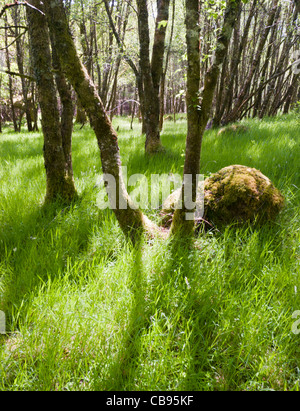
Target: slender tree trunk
{"x":136,"y":71}
{"x":255,"y":64}
{"x":34,"y":108}
{"x":163,"y":77}
{"x":20,"y":62}
{"x":198,"y":110}
{"x":60,"y":184}
{"x":0,"y":104}
{"x":152,"y":71}
{"x":131,"y":220}
{"x":67,"y":111}
{"x":288,"y":97}
{"x":10,"y":83}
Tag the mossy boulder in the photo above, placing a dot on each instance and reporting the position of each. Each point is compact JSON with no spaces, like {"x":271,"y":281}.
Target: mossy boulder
{"x":233,"y":129}
{"x":239,"y":194}
{"x":234,"y":194}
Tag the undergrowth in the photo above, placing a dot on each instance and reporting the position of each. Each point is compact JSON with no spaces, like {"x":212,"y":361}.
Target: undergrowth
{"x":87,"y":311}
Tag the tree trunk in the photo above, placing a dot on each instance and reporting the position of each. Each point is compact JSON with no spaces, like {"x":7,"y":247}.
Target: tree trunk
{"x":198,"y":109}
{"x":236,"y":59}
{"x":10,"y":83}
{"x":131,"y":220}
{"x":164,"y":74}
{"x":60,"y":185}
{"x":20,"y":63}
{"x":67,"y":111}
{"x":255,"y":64}
{"x":152,"y":71}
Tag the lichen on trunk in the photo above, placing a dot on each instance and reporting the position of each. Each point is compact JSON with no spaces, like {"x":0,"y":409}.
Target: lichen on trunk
{"x":60,"y":184}
{"x":131,"y":220}
{"x":199,"y":106}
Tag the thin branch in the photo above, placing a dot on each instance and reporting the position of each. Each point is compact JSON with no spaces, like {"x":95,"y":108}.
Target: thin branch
{"x":122,"y":104}
{"x":16,"y":39}
{"x":119,"y":41}
{"x":18,"y":3}
{"x":263,"y":85}
{"x":13,"y":27}
{"x":13,"y":73}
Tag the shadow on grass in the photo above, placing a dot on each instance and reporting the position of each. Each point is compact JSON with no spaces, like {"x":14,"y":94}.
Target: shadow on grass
{"x":166,"y":162}
{"x":269,"y":145}
{"x":122,"y":371}
{"x":125,"y":371}
{"x":21,"y":150}
{"x":36,"y":248}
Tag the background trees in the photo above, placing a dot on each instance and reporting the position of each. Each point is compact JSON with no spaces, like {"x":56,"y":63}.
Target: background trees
{"x":57,"y":134}
{"x":112,"y":71}
{"x":122,"y":53}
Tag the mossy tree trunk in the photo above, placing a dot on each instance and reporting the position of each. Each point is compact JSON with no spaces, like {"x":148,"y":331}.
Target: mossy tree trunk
{"x":199,"y":106}
{"x":20,"y":63}
{"x":60,"y":183}
{"x":152,"y":70}
{"x":131,"y":220}
{"x":67,"y":111}
{"x":10,"y":82}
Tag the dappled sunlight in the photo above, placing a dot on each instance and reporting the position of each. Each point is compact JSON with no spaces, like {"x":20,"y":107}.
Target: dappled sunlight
{"x":87,"y":311}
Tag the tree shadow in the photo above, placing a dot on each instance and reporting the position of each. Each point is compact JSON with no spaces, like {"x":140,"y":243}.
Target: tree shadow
{"x":126,"y":366}
{"x":263,"y":146}
{"x":15,"y":150}
{"x":121,"y":373}
{"x":36,"y":248}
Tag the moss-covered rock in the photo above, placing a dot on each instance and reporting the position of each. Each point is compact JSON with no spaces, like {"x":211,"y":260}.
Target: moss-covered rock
{"x":239,"y":194}
{"x":234,"y":194}
{"x":233,"y":129}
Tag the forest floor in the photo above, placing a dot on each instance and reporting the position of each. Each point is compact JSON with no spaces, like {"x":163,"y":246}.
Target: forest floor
{"x":86,"y":311}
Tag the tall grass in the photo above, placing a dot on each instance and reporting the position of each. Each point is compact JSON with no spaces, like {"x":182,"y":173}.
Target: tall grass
{"x":86,"y":311}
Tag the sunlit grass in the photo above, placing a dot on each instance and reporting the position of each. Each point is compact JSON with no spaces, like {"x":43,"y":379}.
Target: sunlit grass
{"x":86,"y":311}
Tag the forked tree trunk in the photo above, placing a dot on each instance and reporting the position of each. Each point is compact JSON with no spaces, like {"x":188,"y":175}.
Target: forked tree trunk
{"x":152,"y":71}
{"x":60,"y":184}
{"x":131,"y":220}
{"x":198,"y":109}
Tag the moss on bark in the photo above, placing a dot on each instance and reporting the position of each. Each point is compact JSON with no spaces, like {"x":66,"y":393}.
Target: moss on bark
{"x":60,"y":183}
{"x":235,"y":194}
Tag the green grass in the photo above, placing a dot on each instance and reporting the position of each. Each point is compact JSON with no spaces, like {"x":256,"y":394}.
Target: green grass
{"x":86,"y":311}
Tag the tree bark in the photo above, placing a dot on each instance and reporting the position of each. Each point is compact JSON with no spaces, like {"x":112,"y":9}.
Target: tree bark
{"x":151,"y":71}
{"x":198,"y":109}
{"x":233,"y":115}
{"x":236,"y":59}
{"x":131,"y":220}
{"x":67,"y":111}
{"x":20,"y":63}
{"x":10,"y":83}
{"x":60,"y":185}
{"x":164,"y":74}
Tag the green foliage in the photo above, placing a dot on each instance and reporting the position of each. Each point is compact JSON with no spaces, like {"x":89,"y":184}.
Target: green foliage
{"x":162,"y":24}
{"x":88,"y":312}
